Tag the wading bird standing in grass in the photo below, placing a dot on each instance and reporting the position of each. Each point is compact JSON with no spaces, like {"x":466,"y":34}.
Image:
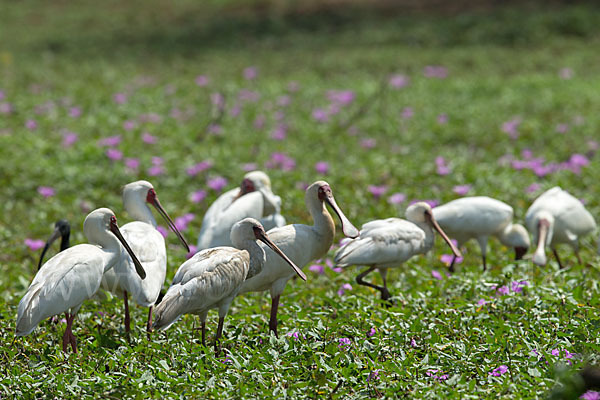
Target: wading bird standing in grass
{"x":302,"y":244}
{"x":148,"y":244}
{"x":557,"y":217}
{"x":74,"y":275}
{"x":253,"y":199}
{"x":387,"y":243}
{"x":62,"y":229}
{"x":479,"y":218}
{"x":213,"y":277}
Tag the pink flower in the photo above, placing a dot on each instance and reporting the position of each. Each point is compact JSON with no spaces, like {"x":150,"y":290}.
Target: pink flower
{"x":34,"y":244}
{"x":217,"y":100}
{"x":284,"y":101}
{"x":259,"y":122}
{"x":343,"y":289}
{"x":148,"y":138}
{"x":503,"y":290}
{"x":193,"y":250}
{"x":120,"y":98}
{"x":294,"y":335}
{"x":46,"y":191}
{"x":435,"y":71}
{"x":566,"y":73}
{"x":281,"y":160}
{"x":199,"y":167}
{"x":511,"y":127}
{"x":320,"y":115}
{"x":371,"y":332}
{"x":155,"y":170}
{"x":249,"y":167}
{"x":235,"y":110}
{"x":317,"y":269}
{"x":6,"y":108}
{"x":447,"y":259}
{"x":398,"y":81}
{"x":132,"y":163}
{"x":250,"y":73}
{"x":562,"y":128}
{"x":162,"y":230}
{"x":436,"y":275}
{"x":217,"y":183}
{"x":499,"y":371}
{"x":397,"y":198}
{"x":442,"y":167}
{"x":31,"y":124}
{"x":368,"y":143}
{"x":407,"y":113}
{"x":322,"y":167}
{"x":344,"y":342}
{"x":128,"y":125}
{"x":248,"y":96}
{"x":157,"y":161}
{"x":590,"y":395}
{"x":114,"y":154}
{"x":341,"y":97}
{"x":215,"y":129}
{"x":413,"y":343}
{"x":461,"y":189}
{"x":481,"y":302}
{"x":377,"y":191}
{"x":110,"y":141}
{"x":69,"y":138}
{"x":442,"y":119}
{"x":280,"y":132}
{"x":181,"y":223}
{"x":74,"y":112}
{"x":201,"y":80}
{"x":534,"y":187}
{"x":197,"y":196}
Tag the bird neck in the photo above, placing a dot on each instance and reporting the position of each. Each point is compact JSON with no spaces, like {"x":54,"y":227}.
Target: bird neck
{"x":429,"y":236}
{"x":258,"y":258}
{"x":138,"y":210}
{"x":64,"y":241}
{"x":323,"y":226}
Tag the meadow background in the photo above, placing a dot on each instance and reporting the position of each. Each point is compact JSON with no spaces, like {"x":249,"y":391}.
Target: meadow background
{"x":389,"y":102}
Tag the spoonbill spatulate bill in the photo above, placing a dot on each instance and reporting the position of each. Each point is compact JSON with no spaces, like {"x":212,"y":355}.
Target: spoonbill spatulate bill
{"x":72,"y":276}
{"x":387,"y":243}
{"x":213,"y":277}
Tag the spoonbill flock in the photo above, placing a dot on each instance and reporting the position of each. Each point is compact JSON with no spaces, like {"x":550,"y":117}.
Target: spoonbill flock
{"x":245,"y":246}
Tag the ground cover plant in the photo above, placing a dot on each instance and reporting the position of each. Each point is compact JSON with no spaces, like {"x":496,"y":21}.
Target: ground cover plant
{"x":388,"y":107}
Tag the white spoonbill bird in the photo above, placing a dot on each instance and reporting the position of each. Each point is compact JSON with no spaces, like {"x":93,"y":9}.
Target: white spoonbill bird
{"x":213,"y":277}
{"x":148,"y":244}
{"x":62,"y":229}
{"x":301,"y":243}
{"x":387,"y":243}
{"x":479,"y":218}
{"x":557,"y":217}
{"x":253,"y":199}
{"x":74,"y":275}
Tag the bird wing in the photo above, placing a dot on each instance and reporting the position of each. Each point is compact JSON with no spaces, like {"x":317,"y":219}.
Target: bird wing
{"x":477,"y":215}
{"x":63,"y":282}
{"x":202,"y":282}
{"x":382,"y":242}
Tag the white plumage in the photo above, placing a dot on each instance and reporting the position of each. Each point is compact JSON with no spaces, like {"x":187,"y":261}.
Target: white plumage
{"x":253,"y":199}
{"x":557,"y":217}
{"x":387,"y":243}
{"x":301,"y":243}
{"x":213,"y":277}
{"x":148,"y":244}
{"x":74,"y":275}
{"x":479,"y":218}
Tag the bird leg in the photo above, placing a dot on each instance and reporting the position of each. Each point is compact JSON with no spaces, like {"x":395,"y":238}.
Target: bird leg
{"x":484,"y":262}
{"x":557,"y":258}
{"x":385,"y":294}
{"x":127,"y":319}
{"x":273,"y":319}
{"x":382,"y":290}
{"x":578,"y":257}
{"x":68,"y":337}
{"x":203,"y":333}
{"x":219,"y":333}
{"x":149,"y":324}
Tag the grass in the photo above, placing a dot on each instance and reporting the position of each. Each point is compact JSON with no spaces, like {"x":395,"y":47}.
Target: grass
{"x":502,"y":64}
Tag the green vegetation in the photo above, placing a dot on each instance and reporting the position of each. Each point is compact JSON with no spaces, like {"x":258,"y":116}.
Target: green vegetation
{"x":71,"y":76}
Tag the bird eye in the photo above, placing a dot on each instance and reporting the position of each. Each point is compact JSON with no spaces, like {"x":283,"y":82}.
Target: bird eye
{"x":113,"y":219}
{"x":151,"y":196}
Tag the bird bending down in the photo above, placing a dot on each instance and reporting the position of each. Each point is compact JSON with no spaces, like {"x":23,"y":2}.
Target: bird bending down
{"x":213,"y":277}
{"x":62,"y":229}
{"x":479,"y":218}
{"x":301,"y":243}
{"x":557,"y":217}
{"x":74,"y":275}
{"x":387,"y":243}
{"x":253,"y":199}
{"x":148,"y":244}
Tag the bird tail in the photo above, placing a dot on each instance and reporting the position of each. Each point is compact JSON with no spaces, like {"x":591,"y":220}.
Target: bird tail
{"x":343,"y":257}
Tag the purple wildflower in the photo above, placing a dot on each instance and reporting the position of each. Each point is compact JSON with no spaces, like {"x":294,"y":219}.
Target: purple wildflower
{"x":499,"y":371}
{"x":562,"y":128}
{"x":435,"y":71}
{"x":6,"y":108}
{"x":368,"y":143}
{"x":250,"y":73}
{"x":398,"y":81}
{"x":461,"y":190}
{"x":34,"y":244}
{"x":155,"y":170}
{"x":162,"y":230}
{"x":295,"y":335}
{"x":413,"y":343}
{"x":132,"y":163}
{"x":181,"y":223}
{"x":217,"y":183}
{"x":320,"y":115}
{"x":120,"y":98}
{"x":31,"y":124}
{"x":590,"y":395}
{"x":397,"y":198}
{"x":511,"y":127}
{"x":481,"y":302}
{"x":442,"y":119}
{"x":193,"y":250}
{"x":433,"y":373}
{"x":534,"y":187}
{"x":110,"y":141}
{"x":197,"y":196}
{"x":344,"y":342}
{"x":217,"y":100}
{"x":199,"y":167}
{"x":148,"y":138}
{"x":407,"y":113}
{"x":322,"y":167}
{"x":344,"y":288}
{"x":503,"y":290}
{"x":436,"y":275}
{"x":447,"y":259}
{"x":114,"y":154}
{"x":69,"y":138}
{"x":374,"y":375}
{"x":372,"y":332}
{"x":201,"y":80}
{"x":74,"y":112}
{"x":341,"y":97}
{"x":259,"y":122}
{"x":317,"y":269}
{"x":377,"y":190}
{"x":280,"y":132}
{"x":249,"y":167}
{"x":46,"y":191}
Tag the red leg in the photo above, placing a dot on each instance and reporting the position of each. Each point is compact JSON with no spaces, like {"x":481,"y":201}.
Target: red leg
{"x":273,"y":319}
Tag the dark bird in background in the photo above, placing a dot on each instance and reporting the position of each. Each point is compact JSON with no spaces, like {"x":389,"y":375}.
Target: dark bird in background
{"x":62,"y":229}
